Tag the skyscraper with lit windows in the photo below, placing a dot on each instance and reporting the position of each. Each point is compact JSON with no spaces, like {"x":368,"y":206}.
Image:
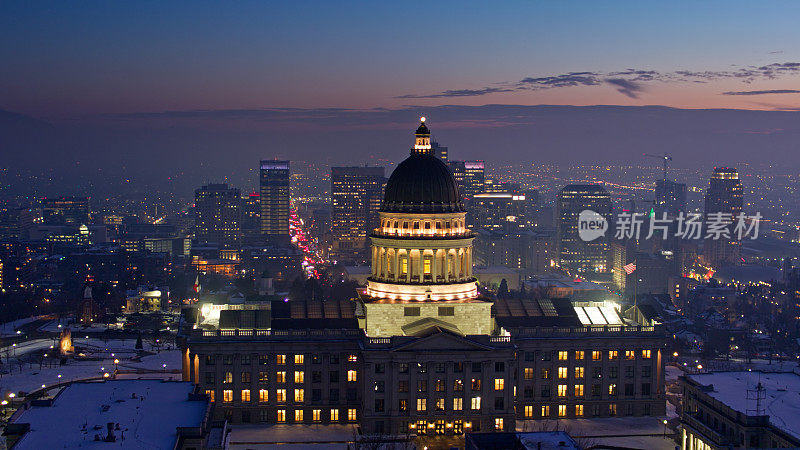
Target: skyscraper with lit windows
{"x":356,"y":194}
{"x":274,"y":197}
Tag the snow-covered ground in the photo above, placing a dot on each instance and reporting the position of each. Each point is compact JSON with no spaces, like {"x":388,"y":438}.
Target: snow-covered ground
{"x":10,"y":328}
{"x":290,"y":437}
{"x":32,"y":377}
{"x":629,"y":432}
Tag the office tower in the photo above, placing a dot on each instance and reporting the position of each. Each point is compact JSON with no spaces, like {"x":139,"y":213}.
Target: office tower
{"x":275,"y":201}
{"x":724,"y":195}
{"x":356,"y":193}
{"x":469,"y":176}
{"x":575,"y":254}
{"x":218,"y":215}
{"x":670,"y":197}
{"x":502,"y":211}
{"x":439,"y":150}
{"x":251,"y":218}
{"x":65,"y":210}
{"x":420,"y":351}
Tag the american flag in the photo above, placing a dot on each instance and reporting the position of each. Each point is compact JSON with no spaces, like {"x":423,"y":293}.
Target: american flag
{"x":629,"y":268}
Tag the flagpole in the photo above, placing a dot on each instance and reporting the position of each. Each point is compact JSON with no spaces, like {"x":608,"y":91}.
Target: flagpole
{"x":635,"y":292}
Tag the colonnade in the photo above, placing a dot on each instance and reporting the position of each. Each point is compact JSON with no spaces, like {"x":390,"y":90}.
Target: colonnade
{"x":421,"y":265}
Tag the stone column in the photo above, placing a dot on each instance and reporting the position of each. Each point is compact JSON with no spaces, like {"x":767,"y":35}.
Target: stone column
{"x":408,"y":267}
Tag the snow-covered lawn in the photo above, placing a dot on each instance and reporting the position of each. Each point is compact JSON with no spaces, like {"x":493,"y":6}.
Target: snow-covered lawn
{"x":32,"y":377}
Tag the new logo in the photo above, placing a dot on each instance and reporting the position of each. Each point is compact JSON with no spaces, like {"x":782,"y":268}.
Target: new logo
{"x":591,"y":225}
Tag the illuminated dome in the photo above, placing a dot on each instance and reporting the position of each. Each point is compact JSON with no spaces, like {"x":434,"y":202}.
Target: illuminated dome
{"x":422,"y":183}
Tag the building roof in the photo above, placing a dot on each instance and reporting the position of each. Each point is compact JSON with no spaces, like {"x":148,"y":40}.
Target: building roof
{"x":147,"y":411}
{"x":781,"y":402}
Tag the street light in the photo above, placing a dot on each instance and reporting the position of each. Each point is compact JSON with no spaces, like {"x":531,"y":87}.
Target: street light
{"x":665,"y":428}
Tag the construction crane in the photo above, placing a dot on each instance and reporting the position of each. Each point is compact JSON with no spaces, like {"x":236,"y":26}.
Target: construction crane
{"x":666,"y":157}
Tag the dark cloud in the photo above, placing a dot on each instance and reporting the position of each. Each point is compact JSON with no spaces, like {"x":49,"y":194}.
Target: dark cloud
{"x":626,"y":87}
{"x":628,"y":82}
{"x":564,"y":80}
{"x":459,"y":93}
{"x":771,"y":91}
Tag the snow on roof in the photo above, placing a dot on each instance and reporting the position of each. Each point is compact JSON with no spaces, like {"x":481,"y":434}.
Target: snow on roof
{"x":147,"y":411}
{"x":781,"y":404}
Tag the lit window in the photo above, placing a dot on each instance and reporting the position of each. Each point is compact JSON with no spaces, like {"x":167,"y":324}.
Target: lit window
{"x":440,"y":404}
{"x":281,"y":415}
{"x":280,"y":377}
{"x":210,"y":394}
{"x":562,"y":390}
{"x":499,"y":384}
{"x":596,"y":355}
{"x":562,"y":410}
{"x":579,"y":372}
{"x":563,"y":372}
{"x":263,"y":395}
{"x":281,"y":359}
{"x":422,"y":404}
{"x":498,"y":424}
{"x":646,"y":354}
{"x":426,"y":266}
{"x":404,"y":266}
{"x":299,"y":376}
{"x":351,"y":415}
{"x":529,"y":373}
{"x":578,"y":390}
{"x":563,"y":355}
{"x":228,"y":377}
{"x":612,"y":389}
{"x":630,"y":354}
{"x":298,"y":359}
{"x":612,"y":409}
{"x":227,"y":396}
{"x":352,"y":375}
{"x":352,"y":358}
{"x":316,"y":415}
{"x":299,"y":395}
{"x":528,"y":411}
{"x":458,"y":403}
{"x":545,"y":410}
{"x":578,"y":354}
{"x":476,"y":403}
{"x":280,"y":395}
{"x":298,"y":415}
{"x":245,"y":395}
{"x":613,"y":354}
{"x":334,"y":415}
{"x":578,"y":410}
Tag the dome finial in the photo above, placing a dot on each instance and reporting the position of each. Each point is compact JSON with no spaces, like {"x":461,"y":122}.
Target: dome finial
{"x":422,"y":143}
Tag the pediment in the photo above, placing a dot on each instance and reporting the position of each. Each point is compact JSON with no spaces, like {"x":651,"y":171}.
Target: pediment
{"x":441,"y":341}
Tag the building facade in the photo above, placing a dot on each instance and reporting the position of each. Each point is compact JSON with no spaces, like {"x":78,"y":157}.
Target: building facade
{"x":274,"y":196}
{"x":356,"y":194}
{"x":723,"y":197}
{"x":575,"y":254}
{"x":218,"y":215}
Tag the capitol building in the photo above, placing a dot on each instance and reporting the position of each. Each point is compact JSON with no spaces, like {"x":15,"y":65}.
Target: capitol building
{"x":419,"y":351}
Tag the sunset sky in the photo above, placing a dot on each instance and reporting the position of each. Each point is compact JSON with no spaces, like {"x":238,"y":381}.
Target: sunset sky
{"x":75,"y":59}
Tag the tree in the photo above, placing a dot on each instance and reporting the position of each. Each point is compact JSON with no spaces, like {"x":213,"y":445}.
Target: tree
{"x":139,"y":345}
{"x":502,"y":291}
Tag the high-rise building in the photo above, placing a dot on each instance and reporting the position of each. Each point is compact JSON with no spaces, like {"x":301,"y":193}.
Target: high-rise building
{"x":218,"y":215}
{"x":502,"y":211}
{"x":575,"y":254}
{"x":439,"y":150}
{"x":275,"y":200}
{"x":470,"y":177}
{"x":356,"y":193}
{"x":724,"y":195}
{"x":670,"y":197}
{"x":251,"y":218}
{"x":65,"y":210}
